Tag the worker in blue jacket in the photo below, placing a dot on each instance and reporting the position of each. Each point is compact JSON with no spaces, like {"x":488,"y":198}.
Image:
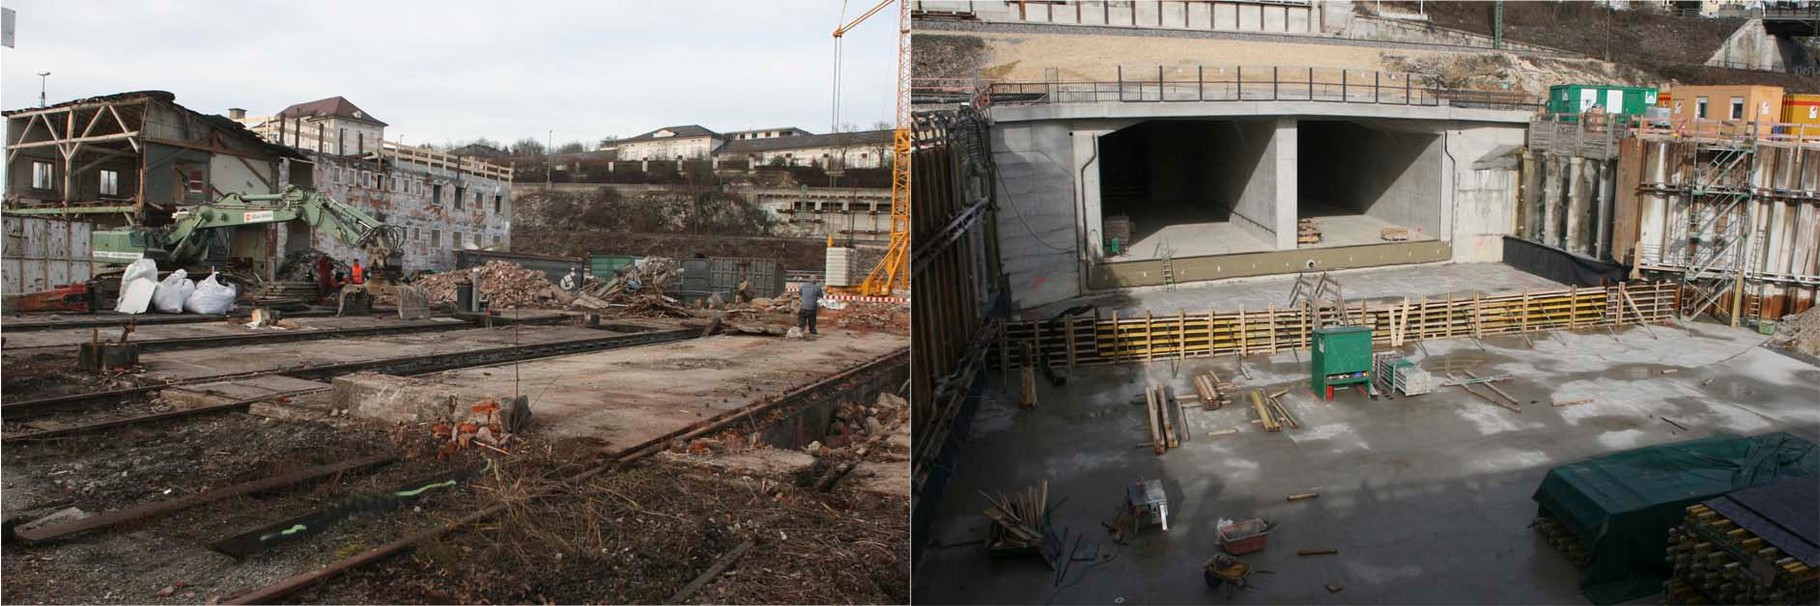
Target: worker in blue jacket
{"x":811,"y":292}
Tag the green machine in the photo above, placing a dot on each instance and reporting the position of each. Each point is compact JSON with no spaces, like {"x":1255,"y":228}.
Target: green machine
{"x":1342,"y":356}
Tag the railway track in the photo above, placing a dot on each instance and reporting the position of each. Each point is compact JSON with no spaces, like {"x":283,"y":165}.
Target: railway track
{"x":833,"y":387}
{"x":404,"y":365}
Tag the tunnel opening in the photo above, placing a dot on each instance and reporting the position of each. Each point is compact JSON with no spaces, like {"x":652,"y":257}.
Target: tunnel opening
{"x":1356,"y":179}
{"x":1185,"y":188}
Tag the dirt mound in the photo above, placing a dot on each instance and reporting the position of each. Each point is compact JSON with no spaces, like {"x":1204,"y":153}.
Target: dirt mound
{"x":1801,"y":332}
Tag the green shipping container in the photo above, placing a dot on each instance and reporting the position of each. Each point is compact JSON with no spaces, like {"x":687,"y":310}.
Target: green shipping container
{"x":1570,"y":100}
{"x":604,"y":266}
{"x":1341,"y":356}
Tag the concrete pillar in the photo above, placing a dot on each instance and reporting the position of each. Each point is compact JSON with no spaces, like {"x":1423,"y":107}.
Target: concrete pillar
{"x":1529,"y":209}
{"x":1284,"y":157}
{"x":1574,"y":236}
{"x":1552,"y":201}
{"x":1608,"y":195}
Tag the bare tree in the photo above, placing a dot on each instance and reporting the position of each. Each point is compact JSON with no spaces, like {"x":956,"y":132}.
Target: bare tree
{"x":528,"y":147}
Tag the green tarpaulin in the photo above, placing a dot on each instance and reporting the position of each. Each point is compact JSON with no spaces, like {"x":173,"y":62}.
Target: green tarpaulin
{"x":1621,"y":505}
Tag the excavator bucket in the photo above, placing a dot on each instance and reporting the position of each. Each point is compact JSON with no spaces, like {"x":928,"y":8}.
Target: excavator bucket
{"x":413,"y":302}
{"x":355,"y":300}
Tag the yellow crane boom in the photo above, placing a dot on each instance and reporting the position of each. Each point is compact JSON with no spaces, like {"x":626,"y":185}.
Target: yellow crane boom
{"x":892,"y":274}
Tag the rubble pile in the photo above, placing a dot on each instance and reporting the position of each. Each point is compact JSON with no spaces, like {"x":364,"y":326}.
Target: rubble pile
{"x":1801,"y":332}
{"x":636,"y":291}
{"x":854,"y":424}
{"x":872,"y":316}
{"x":502,"y":283}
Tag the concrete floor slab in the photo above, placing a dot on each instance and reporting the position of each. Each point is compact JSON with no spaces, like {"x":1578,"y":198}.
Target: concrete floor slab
{"x":1353,"y":230}
{"x":1373,"y":284}
{"x":183,"y":364}
{"x":625,"y":397}
{"x":1194,"y":240}
{"x":23,"y":342}
{"x":1427,"y":498}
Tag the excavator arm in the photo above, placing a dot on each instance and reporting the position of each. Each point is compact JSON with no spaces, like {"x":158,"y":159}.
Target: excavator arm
{"x":186,"y":240}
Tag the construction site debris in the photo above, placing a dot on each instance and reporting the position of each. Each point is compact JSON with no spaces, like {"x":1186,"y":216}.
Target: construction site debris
{"x":1020,"y":519}
{"x":502,"y":284}
{"x":1240,"y":538}
{"x":1800,"y":333}
{"x":864,"y":315}
{"x":1303,"y":496}
{"x":1315,"y":552}
{"x":1394,"y":233}
{"x":1307,"y":232}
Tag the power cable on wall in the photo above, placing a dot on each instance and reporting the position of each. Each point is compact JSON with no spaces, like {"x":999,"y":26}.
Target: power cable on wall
{"x":1020,"y":214}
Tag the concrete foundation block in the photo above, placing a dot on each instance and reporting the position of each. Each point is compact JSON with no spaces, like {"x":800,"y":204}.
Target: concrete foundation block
{"x":394,"y":399}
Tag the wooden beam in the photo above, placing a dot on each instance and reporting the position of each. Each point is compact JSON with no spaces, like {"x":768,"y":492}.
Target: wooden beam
{"x":61,"y":142}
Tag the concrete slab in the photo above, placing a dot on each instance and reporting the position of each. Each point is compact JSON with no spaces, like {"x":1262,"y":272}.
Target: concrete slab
{"x":26,"y":342}
{"x":248,"y":358}
{"x":625,"y":397}
{"x":1427,"y":498}
{"x":1353,"y":230}
{"x":1195,"y":240}
{"x":1374,"y":284}
{"x":209,"y":394}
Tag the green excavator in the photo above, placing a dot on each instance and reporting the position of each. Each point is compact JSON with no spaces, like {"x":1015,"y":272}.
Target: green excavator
{"x":184,"y":243}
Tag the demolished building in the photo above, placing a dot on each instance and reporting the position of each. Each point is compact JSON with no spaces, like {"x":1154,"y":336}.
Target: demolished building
{"x":443,"y":202}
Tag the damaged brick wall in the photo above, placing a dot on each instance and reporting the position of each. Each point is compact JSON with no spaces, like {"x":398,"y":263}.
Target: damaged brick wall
{"x":421,"y":199}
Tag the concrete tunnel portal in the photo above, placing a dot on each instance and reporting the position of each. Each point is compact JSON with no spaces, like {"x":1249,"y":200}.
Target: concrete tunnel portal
{"x":1201,"y":187}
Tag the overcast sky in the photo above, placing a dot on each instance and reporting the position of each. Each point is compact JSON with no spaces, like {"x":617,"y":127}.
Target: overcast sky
{"x":460,"y":69}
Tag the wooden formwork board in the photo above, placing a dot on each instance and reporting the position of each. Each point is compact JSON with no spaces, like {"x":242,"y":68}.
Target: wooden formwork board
{"x":1193,"y":334}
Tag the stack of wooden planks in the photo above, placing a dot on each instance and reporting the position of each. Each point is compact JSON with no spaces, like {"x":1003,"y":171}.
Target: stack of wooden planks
{"x":1168,"y":426}
{"x":1019,"y":519}
{"x":1211,"y":391}
{"x":1271,"y":411}
{"x":1562,"y":539}
{"x":1728,"y":564}
{"x":1306,"y":232}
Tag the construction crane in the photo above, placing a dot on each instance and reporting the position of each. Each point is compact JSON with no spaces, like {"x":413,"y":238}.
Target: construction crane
{"x":892,"y":274}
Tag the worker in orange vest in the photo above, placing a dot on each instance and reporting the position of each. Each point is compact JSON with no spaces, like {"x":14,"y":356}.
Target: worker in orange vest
{"x":360,"y":275}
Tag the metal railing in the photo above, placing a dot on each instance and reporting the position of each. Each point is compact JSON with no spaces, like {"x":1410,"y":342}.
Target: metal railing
{"x":1163,"y":84}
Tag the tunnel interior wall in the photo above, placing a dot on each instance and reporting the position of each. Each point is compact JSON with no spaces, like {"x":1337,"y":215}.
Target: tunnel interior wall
{"x":1166,"y":172}
{"x":1347,"y":168}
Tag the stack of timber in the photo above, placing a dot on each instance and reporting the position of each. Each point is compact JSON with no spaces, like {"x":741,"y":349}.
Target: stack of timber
{"x":1307,"y":233}
{"x":1724,"y":562}
{"x":1271,"y":412}
{"x":1211,"y":391}
{"x":1019,"y":520}
{"x":1168,"y":426}
{"x":1562,"y":539}
{"x":1178,"y":335}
